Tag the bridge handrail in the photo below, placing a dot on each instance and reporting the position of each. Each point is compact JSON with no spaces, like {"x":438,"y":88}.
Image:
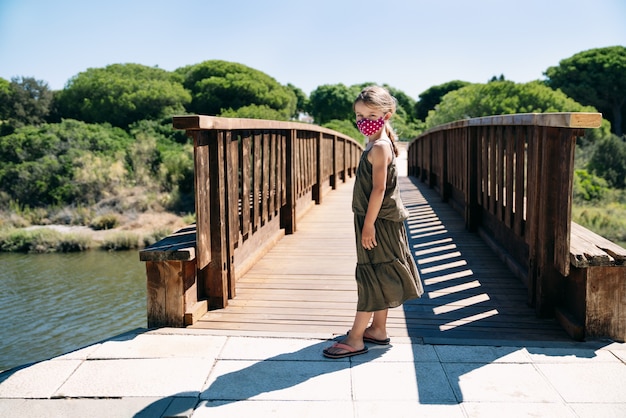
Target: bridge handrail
{"x":511,"y":177}
{"x":253,"y":180}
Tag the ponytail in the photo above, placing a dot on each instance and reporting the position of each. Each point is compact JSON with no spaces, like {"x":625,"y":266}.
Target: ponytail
{"x":392,"y":135}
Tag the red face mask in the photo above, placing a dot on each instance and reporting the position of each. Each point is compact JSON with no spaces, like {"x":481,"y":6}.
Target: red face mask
{"x":369,"y":127}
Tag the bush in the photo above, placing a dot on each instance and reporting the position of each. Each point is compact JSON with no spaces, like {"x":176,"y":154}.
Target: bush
{"x":608,"y":221}
{"x":609,"y":161}
{"x":155,"y":236}
{"x":108,"y":221}
{"x":42,"y":240}
{"x":121,"y":242}
{"x":588,"y":187}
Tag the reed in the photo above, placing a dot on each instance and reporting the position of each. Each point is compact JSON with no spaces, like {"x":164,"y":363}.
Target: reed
{"x":42,"y":240}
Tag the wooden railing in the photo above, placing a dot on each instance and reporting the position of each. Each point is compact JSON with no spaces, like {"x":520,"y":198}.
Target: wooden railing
{"x":510,"y":177}
{"x":253,"y":180}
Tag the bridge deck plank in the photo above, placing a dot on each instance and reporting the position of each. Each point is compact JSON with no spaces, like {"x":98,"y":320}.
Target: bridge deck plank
{"x":305,"y":285}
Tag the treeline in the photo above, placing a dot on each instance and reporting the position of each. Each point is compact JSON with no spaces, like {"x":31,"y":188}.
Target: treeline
{"x":108,"y":132}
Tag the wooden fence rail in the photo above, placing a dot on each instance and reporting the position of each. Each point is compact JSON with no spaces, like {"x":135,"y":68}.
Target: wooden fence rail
{"x":253,"y":180}
{"x":511,"y":178}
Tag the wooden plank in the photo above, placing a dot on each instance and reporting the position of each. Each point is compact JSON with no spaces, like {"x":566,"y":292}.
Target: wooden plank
{"x":181,"y":245}
{"x":256,"y":182}
{"x":202,"y":181}
{"x":245,"y":182}
{"x":590,"y":249}
{"x":520,"y":181}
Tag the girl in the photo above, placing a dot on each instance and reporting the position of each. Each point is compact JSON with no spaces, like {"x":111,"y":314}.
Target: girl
{"x":386,"y":274}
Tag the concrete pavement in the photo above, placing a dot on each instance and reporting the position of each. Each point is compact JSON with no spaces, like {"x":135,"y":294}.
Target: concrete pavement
{"x":194,"y":373}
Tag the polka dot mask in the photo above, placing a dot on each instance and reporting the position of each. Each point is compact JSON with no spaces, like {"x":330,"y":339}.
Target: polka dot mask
{"x":369,"y":127}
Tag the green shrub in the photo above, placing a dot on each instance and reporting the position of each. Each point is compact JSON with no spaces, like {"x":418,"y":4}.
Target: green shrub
{"x":42,"y":240}
{"x":608,"y":221}
{"x":108,"y":221}
{"x":120,"y":242}
{"x":589,"y":187}
{"x":75,"y":243}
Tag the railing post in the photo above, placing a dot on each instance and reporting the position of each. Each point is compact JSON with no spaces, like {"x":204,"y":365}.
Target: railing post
{"x":551,"y":217}
{"x":217,"y":272}
{"x":202,"y":185}
{"x":333,"y":175}
{"x":472,"y":204}
{"x":317,"y":187}
{"x":443,"y":164}
{"x":288,"y":211}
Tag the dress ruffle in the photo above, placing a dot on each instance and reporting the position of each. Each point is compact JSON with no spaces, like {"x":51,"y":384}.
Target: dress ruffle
{"x":386,"y":276}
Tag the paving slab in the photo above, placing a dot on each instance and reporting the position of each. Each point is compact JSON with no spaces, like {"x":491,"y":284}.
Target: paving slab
{"x":571,"y":355}
{"x":287,"y":409}
{"x":481,"y":354}
{"x":278,"y":380}
{"x":278,"y":349}
{"x":144,"y":346}
{"x":81,"y":408}
{"x":137,"y":377}
{"x":518,"y":410}
{"x":40,"y":380}
{"x":499,"y":382}
{"x":398,"y":352}
{"x":584,"y":382}
{"x":595,"y":410}
{"x":424,"y":382}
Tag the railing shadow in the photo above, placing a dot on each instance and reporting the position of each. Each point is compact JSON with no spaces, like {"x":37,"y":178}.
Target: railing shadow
{"x":469,"y":291}
{"x":472,"y":303}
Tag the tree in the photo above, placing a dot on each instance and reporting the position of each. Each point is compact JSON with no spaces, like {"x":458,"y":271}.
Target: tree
{"x":501,"y":98}
{"x":253,"y":112}
{"x":404,"y":101}
{"x":432,"y":97}
{"x":302,"y":101}
{"x":121,"y":94}
{"x":60,"y":163}
{"x":331,"y":105}
{"x":596,"y":77}
{"x":5,"y":99}
{"x":609,"y":161}
{"x":332,"y":101}
{"x":218,"y":86}
{"x":346,"y":127}
{"x":23,"y":101}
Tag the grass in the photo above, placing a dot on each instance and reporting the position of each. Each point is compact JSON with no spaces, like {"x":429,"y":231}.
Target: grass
{"x":45,"y":240}
{"x":608,"y":220}
{"x":42,"y":240}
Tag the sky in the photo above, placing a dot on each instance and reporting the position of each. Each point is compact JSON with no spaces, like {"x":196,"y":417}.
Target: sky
{"x":410,"y":45}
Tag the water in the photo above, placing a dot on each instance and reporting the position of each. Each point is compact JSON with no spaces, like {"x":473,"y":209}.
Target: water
{"x":52,"y":304}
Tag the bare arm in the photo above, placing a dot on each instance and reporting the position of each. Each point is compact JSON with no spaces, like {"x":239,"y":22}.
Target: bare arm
{"x":380,"y":157}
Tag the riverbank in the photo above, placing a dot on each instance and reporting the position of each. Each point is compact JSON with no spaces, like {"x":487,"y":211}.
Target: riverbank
{"x":130,"y":231}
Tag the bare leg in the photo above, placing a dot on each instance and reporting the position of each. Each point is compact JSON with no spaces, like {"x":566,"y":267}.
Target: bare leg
{"x":378,"y":329}
{"x":355,"y":338}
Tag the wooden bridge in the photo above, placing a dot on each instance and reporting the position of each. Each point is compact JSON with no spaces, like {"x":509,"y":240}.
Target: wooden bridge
{"x":273,"y":248}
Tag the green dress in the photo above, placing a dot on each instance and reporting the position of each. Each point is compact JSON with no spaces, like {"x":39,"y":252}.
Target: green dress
{"x":386,"y":275}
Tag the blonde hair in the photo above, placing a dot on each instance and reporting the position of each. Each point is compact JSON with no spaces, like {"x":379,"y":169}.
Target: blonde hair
{"x":379,"y":98}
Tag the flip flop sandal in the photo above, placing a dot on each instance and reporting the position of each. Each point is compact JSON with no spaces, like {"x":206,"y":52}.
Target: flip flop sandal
{"x":374,"y":340}
{"x":349,"y":351}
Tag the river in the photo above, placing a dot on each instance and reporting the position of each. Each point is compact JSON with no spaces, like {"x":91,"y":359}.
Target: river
{"x":52,"y":304}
